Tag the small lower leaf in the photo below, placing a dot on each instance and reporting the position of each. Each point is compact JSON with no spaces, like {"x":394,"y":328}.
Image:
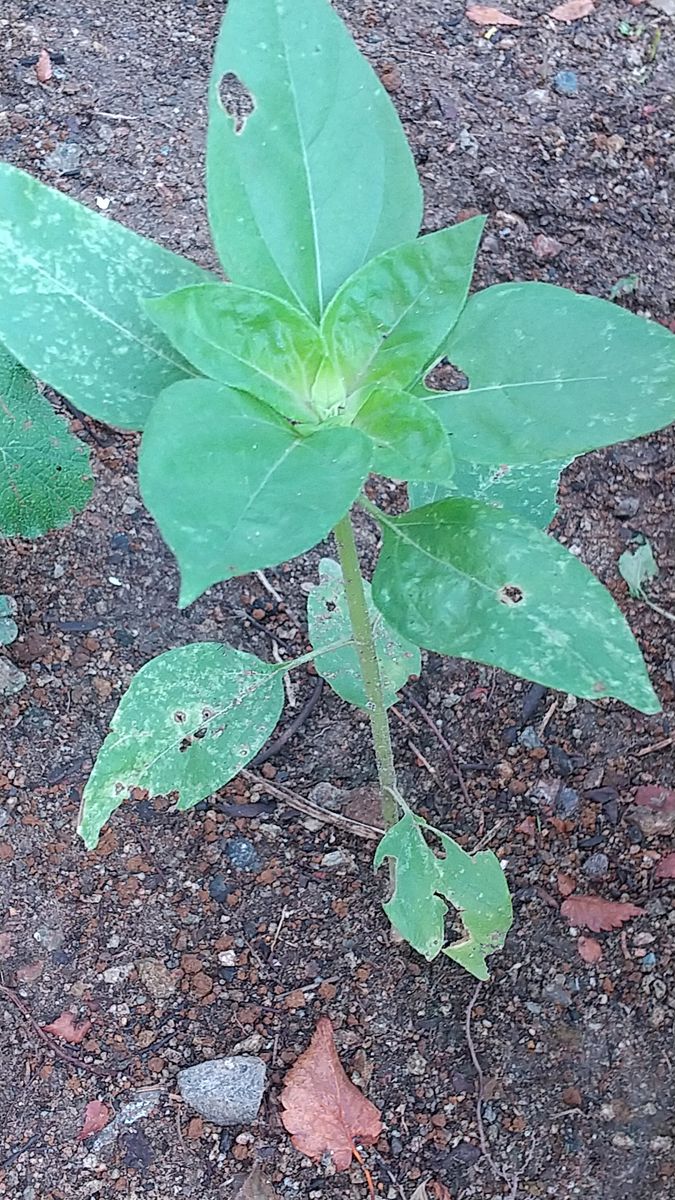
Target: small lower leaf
{"x":188,"y":723}
{"x":526,"y":491}
{"x":328,"y":620}
{"x":409,"y":441}
{"x":473,"y":883}
{"x":638,"y":567}
{"x":44,"y":470}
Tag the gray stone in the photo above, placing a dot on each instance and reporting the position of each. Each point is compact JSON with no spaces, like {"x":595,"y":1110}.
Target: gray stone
{"x":568,"y":803}
{"x":339,"y":858}
{"x":326,"y":795}
{"x":64,"y":159}
{"x":597,"y":866}
{"x":242,"y":854}
{"x":226,"y":1091}
{"x":12,"y":680}
{"x":529,"y":738}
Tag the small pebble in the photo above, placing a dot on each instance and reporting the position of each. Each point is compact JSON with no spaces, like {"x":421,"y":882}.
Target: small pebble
{"x":567,"y":803}
{"x":566,"y":83}
{"x":219,"y":888}
{"x":597,"y":866}
{"x":242,"y":854}
{"x":626,"y":506}
{"x":530,"y":739}
{"x":326,"y":795}
{"x":339,"y":858}
{"x":227,"y":1091}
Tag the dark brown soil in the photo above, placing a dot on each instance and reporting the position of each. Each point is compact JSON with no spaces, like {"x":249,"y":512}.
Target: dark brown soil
{"x":577,"y":1058}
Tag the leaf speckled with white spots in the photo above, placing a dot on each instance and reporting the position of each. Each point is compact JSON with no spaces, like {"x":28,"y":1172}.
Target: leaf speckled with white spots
{"x":328,"y":622}
{"x":468,"y":580}
{"x":473,"y":883}
{"x":71,"y":308}
{"x":44,"y":470}
{"x":553,"y":374}
{"x":190,"y":720}
{"x":528,"y":491}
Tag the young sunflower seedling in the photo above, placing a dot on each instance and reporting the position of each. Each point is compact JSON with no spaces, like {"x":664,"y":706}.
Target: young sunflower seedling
{"x":267,"y":401}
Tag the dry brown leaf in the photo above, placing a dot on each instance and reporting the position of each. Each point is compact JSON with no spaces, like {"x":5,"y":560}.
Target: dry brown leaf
{"x":572,"y":10}
{"x":665,"y":869}
{"x":68,"y":1029}
{"x":589,"y":950}
{"x":596,"y":913}
{"x":256,"y":1187}
{"x":96,"y":1117}
{"x":482,"y":14}
{"x":439,"y":1191}
{"x":324,"y":1111}
{"x":654,"y":813}
{"x":566,"y":884}
{"x":43,"y":67}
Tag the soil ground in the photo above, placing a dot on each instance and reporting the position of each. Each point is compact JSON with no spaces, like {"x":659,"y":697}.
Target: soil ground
{"x":174,"y":951}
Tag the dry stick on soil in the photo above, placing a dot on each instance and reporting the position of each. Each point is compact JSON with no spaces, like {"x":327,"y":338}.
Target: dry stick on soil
{"x":290,"y":730}
{"x":662,"y":745}
{"x":450,"y":753}
{"x":39,"y":1032}
{"x":498,"y":1172}
{"x":358,"y":828}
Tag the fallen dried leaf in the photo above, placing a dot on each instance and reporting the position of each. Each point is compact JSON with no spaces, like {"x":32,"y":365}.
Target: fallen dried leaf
{"x":482,"y":14}
{"x":256,"y":1187}
{"x":654,"y":811}
{"x":572,"y":10}
{"x":68,"y":1029}
{"x":43,"y":67}
{"x":96,"y":1116}
{"x":439,"y":1191}
{"x":665,"y":869}
{"x":566,"y":884}
{"x":589,"y":950}
{"x":324,"y":1111}
{"x":596,"y":913}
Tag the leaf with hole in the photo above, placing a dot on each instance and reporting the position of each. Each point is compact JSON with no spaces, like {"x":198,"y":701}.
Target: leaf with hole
{"x":388,"y":323}
{"x":44,"y":471}
{"x":328,"y":621}
{"x":190,"y":720}
{"x":246,"y":339}
{"x":247,"y":491}
{"x":638,"y":567}
{"x":473,"y":883}
{"x":527,"y":491}
{"x":409,"y":441}
{"x":553,"y":374}
{"x":71,"y":304}
{"x":465,"y":579}
{"x":309,"y":174}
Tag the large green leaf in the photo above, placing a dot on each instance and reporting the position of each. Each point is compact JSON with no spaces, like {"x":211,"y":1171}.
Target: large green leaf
{"x":44,"y":470}
{"x":527,"y":491}
{"x":409,"y":441}
{"x":469,"y":580}
{"x":188,"y":723}
{"x":71,"y":301}
{"x":553,"y":374}
{"x":247,"y":339}
{"x":234,"y":488}
{"x":328,"y":621}
{"x":308,"y":170}
{"x":473,"y":883}
{"x":388,"y":323}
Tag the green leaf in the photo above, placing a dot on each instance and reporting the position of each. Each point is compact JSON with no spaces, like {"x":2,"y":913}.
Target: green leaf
{"x":309,"y":174}
{"x":552,"y":375}
{"x":527,"y":490}
{"x":234,"y":488}
{"x":328,"y":621}
{"x":388,"y":323}
{"x":188,"y":723}
{"x":246,"y":339}
{"x":472,"y":581}
{"x":637,"y":567}
{"x":71,"y":301}
{"x":44,"y":470}
{"x":409,"y":441}
{"x":473,"y":883}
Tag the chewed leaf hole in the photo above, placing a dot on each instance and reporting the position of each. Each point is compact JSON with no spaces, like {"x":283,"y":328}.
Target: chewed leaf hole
{"x":510,"y":594}
{"x":235,"y":100}
{"x":180,"y":717}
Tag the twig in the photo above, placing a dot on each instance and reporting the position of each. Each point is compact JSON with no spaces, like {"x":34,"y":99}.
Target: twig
{"x":179,"y":1131}
{"x":487,"y":837}
{"x":269,"y":587}
{"x":289,"y":686}
{"x":662,"y":745}
{"x":284,"y":913}
{"x":291,"y":729}
{"x":366,"y":1173}
{"x":358,"y":828}
{"x":7,"y":1162}
{"x":424,"y":761}
{"x":39,"y":1032}
{"x":547,"y":716}
{"x":444,"y":743}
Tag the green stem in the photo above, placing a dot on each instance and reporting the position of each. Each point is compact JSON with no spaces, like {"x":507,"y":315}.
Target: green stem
{"x":370,"y":668}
